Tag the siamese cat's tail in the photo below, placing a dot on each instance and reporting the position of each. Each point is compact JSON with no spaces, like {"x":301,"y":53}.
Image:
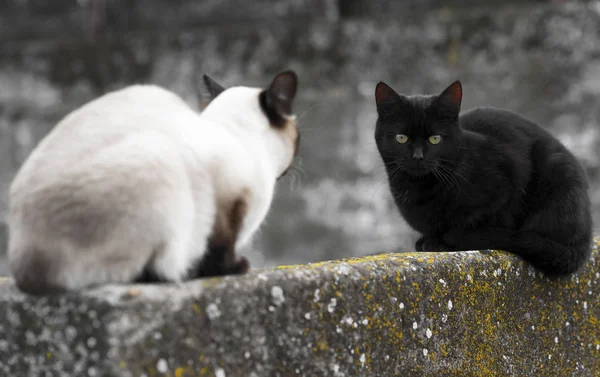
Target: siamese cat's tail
{"x":33,"y":272}
{"x":45,"y":272}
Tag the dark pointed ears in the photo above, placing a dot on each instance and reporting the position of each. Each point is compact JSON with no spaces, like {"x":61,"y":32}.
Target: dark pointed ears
{"x":451,"y":98}
{"x":384,"y":94}
{"x":280,"y":95}
{"x":212,"y":86}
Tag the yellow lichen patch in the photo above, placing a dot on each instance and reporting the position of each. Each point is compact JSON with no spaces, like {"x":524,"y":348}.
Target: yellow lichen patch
{"x":321,"y":346}
{"x":286,"y":267}
{"x":184,"y":372}
{"x":197,"y":309}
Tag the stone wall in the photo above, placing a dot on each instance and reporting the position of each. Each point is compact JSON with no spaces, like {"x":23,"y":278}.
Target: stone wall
{"x":540,"y":58}
{"x":411,"y":314}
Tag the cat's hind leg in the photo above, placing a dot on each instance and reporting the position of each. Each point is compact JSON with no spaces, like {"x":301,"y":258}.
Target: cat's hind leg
{"x":550,"y":256}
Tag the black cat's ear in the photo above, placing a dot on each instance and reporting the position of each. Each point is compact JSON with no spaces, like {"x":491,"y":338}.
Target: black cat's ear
{"x":280,"y":94}
{"x":450,"y":99}
{"x":384,"y":94}
{"x":212,"y":86}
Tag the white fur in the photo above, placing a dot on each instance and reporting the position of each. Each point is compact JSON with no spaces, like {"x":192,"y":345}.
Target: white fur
{"x":148,"y":174}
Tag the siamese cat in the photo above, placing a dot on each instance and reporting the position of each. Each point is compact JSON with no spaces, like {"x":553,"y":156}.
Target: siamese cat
{"x":136,"y":186}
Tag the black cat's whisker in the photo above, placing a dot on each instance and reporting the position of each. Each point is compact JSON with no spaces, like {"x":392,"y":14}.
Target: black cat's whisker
{"x":395,"y":170}
{"x":454,"y":162}
{"x":453,"y":172}
{"x":403,"y":197}
{"x":381,"y":181}
{"x":395,"y":173}
{"x":446,"y":176}
{"x":384,"y":167}
{"x":379,"y":184}
{"x":443,"y":178}
{"x":439,"y":177}
{"x":455,"y":166}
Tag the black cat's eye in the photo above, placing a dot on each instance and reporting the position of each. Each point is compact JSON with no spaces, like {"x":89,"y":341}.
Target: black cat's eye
{"x":435,"y":139}
{"x":402,"y":139}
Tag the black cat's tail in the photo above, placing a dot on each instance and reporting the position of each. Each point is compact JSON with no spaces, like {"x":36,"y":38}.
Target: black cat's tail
{"x":547,"y":255}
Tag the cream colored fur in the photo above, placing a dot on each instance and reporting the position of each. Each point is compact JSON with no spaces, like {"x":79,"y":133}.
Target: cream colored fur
{"x":136,"y":177}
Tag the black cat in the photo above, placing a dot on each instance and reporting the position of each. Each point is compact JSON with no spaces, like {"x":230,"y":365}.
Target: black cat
{"x":488,"y":179}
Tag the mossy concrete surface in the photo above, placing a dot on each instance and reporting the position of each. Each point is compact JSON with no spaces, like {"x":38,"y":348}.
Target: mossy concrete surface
{"x":413,"y":314}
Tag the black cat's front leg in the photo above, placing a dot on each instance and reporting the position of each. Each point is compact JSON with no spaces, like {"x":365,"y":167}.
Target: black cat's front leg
{"x":478,"y":239}
{"x":431,"y":243}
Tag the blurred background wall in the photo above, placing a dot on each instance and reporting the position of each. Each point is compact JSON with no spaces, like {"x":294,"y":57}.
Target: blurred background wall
{"x":539,"y":58}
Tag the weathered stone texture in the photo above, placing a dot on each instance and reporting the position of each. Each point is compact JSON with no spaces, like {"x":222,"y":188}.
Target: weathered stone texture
{"x":414,"y":314}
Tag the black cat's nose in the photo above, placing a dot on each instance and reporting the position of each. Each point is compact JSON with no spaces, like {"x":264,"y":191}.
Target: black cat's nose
{"x":418,"y":154}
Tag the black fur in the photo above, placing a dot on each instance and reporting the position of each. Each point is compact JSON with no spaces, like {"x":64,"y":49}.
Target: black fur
{"x":495,"y":181}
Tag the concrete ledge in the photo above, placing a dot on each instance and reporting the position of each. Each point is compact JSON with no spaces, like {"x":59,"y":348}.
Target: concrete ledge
{"x":459,"y":314}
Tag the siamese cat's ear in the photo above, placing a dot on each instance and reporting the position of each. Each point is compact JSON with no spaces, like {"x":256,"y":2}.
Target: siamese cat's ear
{"x":280,"y":94}
{"x":450,"y":99}
{"x":384,"y":94}
{"x":212,"y":86}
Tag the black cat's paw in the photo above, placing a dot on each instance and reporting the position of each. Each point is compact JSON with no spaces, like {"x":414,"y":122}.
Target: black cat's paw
{"x":476,"y":239}
{"x":419,"y":244}
{"x":431,"y":243}
{"x":455,"y":237}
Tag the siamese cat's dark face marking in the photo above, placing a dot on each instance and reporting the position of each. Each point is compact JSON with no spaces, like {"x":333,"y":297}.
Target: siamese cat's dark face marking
{"x":276,"y":101}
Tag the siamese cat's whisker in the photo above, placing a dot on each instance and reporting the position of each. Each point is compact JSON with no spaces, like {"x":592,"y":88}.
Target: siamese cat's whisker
{"x":298,"y":166}
{"x":310,"y":130}
{"x":295,"y":178}
{"x":307,"y":110}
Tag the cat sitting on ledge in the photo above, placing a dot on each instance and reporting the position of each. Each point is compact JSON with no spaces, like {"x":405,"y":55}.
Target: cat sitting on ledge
{"x":486,"y":179}
{"x":136,"y":186}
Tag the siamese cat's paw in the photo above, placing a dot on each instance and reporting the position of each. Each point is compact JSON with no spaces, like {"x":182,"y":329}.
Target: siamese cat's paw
{"x":239,"y":267}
